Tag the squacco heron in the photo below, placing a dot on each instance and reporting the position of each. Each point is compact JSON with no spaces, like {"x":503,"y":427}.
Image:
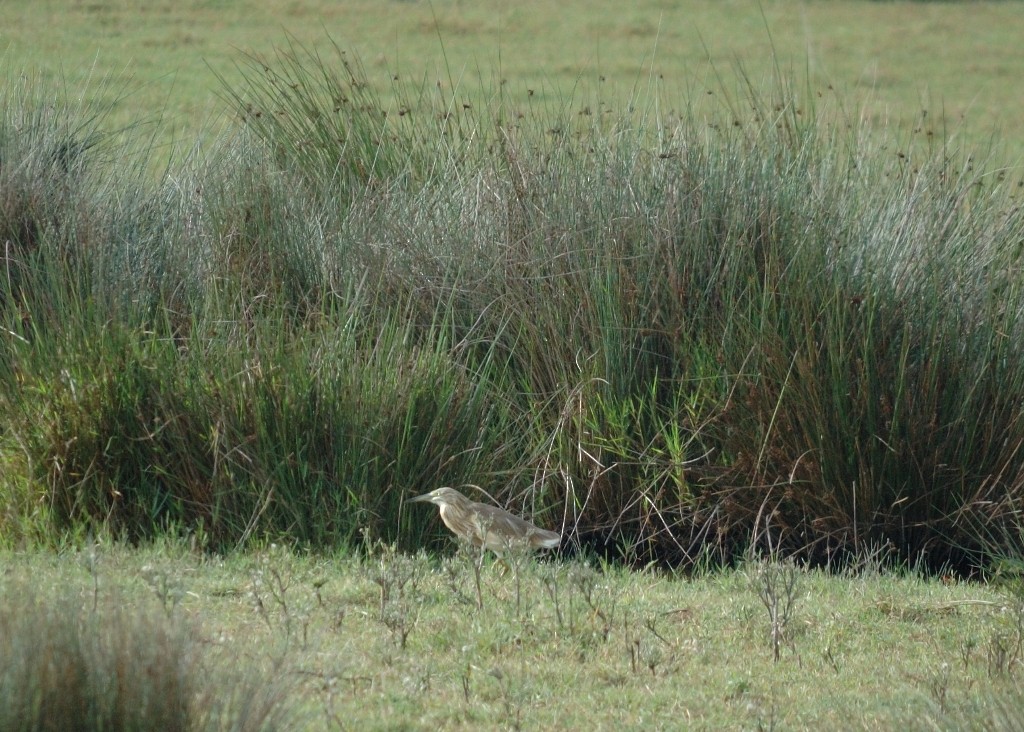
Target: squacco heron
{"x":487,"y":526}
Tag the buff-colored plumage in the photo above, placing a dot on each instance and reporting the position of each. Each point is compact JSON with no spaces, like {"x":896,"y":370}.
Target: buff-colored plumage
{"x":488,"y":526}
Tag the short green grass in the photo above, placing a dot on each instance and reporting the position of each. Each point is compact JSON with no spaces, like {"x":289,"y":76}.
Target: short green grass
{"x":958,"y":62}
{"x":396,"y":641}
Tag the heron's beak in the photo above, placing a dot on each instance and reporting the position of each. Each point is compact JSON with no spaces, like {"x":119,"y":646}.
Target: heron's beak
{"x":420,"y":499}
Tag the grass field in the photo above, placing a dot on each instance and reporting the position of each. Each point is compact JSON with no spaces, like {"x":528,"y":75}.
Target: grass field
{"x":890,"y":61}
{"x":395,"y":641}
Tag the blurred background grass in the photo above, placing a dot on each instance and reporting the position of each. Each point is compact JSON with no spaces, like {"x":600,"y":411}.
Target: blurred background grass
{"x":961,"y":61}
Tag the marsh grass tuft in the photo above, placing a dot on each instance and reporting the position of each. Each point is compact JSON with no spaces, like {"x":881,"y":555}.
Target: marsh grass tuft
{"x":109,"y":667}
{"x":65,"y":667}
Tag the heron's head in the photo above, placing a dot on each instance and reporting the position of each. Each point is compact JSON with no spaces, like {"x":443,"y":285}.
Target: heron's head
{"x":442,"y":497}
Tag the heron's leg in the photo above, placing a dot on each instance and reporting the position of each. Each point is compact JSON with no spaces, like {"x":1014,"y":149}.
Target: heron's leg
{"x":477,"y":566}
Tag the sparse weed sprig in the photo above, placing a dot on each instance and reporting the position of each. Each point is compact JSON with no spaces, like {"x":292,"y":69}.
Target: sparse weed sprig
{"x":398,"y":577}
{"x":777,"y":585}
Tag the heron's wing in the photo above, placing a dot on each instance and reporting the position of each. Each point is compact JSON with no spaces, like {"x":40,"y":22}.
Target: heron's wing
{"x":510,"y":529}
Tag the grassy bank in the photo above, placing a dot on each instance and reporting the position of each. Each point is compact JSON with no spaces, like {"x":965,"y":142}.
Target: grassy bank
{"x":662,"y":337}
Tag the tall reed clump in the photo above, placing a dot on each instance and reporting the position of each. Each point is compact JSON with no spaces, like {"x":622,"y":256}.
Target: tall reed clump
{"x":316,"y":435}
{"x":888,"y":376}
{"x":227,"y":360}
{"x":664,"y":332}
{"x":771,"y":326}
